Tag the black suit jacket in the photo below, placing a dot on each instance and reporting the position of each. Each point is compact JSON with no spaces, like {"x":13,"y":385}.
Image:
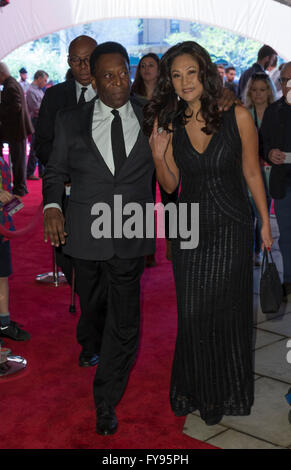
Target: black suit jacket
{"x":57,"y":97}
{"x":272,"y":136}
{"x":75,"y":156}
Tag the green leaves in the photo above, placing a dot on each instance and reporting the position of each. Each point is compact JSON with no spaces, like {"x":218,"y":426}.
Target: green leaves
{"x":236,"y":50}
{"x":50,"y":53}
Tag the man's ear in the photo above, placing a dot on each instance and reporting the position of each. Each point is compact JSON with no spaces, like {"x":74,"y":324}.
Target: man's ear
{"x":268,"y":59}
{"x":93,"y":83}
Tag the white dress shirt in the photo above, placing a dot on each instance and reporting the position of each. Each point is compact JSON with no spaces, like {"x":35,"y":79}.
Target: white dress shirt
{"x":101,"y":129}
{"x":89,"y":94}
{"x":101,"y":132}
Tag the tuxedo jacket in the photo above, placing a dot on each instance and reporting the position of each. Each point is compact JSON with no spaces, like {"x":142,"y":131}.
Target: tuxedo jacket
{"x":76,"y":157}
{"x":57,"y":97}
{"x":15,"y":121}
{"x":272,"y":136}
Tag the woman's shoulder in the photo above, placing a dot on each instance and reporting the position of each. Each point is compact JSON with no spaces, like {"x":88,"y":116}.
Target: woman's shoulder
{"x":241,"y":111}
{"x":237,"y":114}
{"x":236,"y":120}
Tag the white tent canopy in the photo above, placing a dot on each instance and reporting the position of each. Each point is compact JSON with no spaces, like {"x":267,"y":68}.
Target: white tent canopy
{"x":266,"y":21}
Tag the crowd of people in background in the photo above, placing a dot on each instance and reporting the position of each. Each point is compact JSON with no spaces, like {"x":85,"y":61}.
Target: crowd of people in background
{"x":143,"y":86}
{"x":29,"y":111}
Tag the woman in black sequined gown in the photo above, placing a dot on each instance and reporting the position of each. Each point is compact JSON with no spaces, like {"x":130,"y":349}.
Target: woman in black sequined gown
{"x":214,"y":154}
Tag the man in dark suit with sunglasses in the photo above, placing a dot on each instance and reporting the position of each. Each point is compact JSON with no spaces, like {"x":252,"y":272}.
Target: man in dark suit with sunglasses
{"x":65,"y":94}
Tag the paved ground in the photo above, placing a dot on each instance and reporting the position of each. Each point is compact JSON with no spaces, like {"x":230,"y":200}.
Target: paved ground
{"x":268,"y":426}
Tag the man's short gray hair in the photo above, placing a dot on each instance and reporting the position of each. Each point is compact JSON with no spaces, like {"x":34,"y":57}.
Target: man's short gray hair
{"x":40,"y":73}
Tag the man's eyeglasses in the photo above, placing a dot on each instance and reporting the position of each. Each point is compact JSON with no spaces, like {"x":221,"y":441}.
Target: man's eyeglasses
{"x":75,"y":60}
{"x":284,"y":80}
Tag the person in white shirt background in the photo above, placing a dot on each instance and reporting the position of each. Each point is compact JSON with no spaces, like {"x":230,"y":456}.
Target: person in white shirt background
{"x":23,"y":80}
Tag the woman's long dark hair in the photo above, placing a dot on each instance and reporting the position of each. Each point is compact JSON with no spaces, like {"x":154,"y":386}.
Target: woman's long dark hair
{"x":138,"y":86}
{"x":165,"y":104}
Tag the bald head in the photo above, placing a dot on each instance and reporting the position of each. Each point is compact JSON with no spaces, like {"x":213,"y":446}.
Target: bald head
{"x":82,"y":41}
{"x":4,"y":72}
{"x":80,"y":50}
{"x":286,"y":68}
{"x":285,"y":79}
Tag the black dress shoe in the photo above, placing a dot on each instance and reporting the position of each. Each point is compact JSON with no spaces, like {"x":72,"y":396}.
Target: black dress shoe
{"x":106,"y":420}
{"x":213,"y":420}
{"x":88,"y":361}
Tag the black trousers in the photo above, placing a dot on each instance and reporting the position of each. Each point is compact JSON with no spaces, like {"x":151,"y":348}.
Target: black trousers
{"x":92,"y":319}
{"x":18,"y":156}
{"x":121,"y":332}
{"x":65,"y":263}
{"x":92,"y":289}
{"x":32,"y":159}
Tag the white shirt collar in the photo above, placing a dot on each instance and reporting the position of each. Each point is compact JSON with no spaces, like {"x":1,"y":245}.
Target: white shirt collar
{"x":105,"y":111}
{"x":80,"y":86}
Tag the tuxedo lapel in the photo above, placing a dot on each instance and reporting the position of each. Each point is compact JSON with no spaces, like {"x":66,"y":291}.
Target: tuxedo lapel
{"x":71,"y":94}
{"x":138,"y":110}
{"x":86,"y":118}
{"x":137,"y":106}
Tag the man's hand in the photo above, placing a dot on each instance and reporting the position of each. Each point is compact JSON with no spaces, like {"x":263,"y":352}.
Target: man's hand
{"x":53,"y":223}
{"x":276,"y":156}
{"x":227,"y":100}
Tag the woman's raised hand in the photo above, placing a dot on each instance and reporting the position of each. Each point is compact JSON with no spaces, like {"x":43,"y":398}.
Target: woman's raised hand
{"x":159,"y":141}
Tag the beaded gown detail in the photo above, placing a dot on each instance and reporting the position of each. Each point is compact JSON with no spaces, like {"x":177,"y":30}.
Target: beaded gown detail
{"x":212,"y":368}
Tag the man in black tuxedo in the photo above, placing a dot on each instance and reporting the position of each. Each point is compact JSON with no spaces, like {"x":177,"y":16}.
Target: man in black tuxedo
{"x":65,"y":94}
{"x":101,"y":148}
{"x":76,"y":90}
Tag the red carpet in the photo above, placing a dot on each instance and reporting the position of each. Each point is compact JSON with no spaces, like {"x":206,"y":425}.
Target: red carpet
{"x":50,"y":404}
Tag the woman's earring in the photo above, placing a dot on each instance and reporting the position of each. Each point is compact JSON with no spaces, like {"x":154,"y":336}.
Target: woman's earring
{"x":178,"y":98}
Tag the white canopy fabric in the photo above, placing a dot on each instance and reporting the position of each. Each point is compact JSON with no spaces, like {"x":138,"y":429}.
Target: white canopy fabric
{"x":266,"y":21}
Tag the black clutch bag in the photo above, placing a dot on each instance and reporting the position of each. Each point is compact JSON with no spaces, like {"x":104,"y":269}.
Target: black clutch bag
{"x":271,"y":291}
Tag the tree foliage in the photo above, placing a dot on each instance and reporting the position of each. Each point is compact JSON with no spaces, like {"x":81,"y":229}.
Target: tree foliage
{"x":50,"y":53}
{"x":38,"y":56}
{"x":221,"y":44}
